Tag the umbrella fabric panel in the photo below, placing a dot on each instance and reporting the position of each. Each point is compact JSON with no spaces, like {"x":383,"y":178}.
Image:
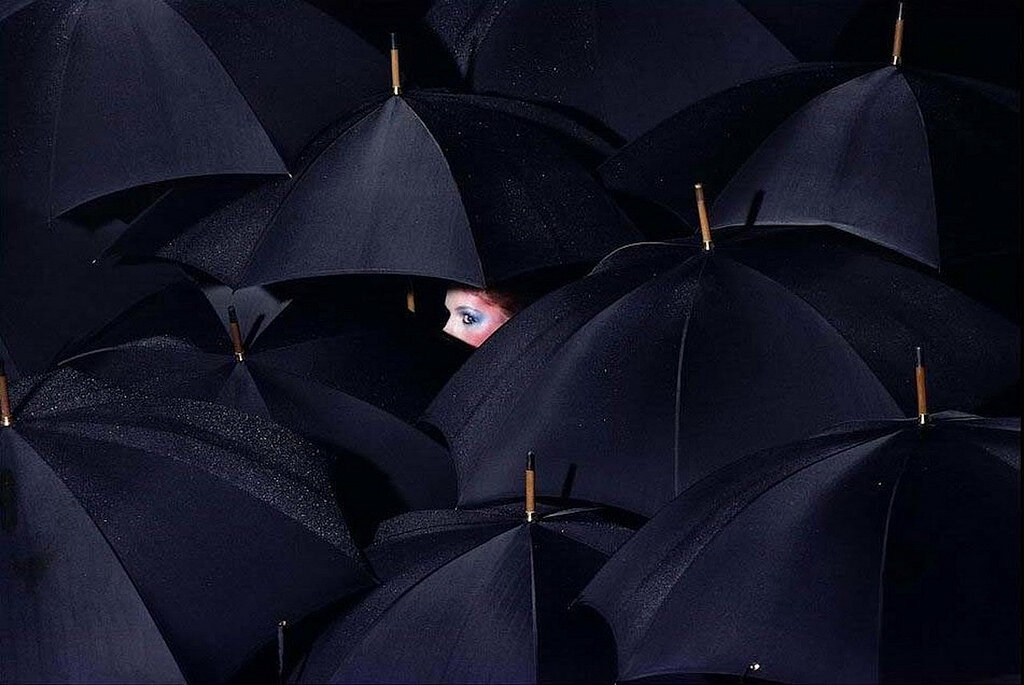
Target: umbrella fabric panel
{"x":679,"y":376}
{"x":709,"y":140}
{"x":171,"y":502}
{"x":483,"y":591}
{"x":529,"y":204}
{"x":460,"y":570}
{"x":884,"y":549}
{"x":364,"y":204}
{"x":128,"y":50}
{"x":884,"y":307}
{"x":957,"y":513}
{"x":70,"y":611}
{"x":820,"y":166}
{"x":601,"y":59}
{"x":840,"y":588}
{"x":299,"y":69}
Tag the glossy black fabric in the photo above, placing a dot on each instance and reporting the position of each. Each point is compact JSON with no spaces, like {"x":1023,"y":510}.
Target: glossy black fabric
{"x":145,"y":90}
{"x":475,"y":596}
{"x":622,"y":65}
{"x":156,"y":539}
{"x":875,"y":553}
{"x":668,"y":362}
{"x":897,"y":156}
{"x":338,"y":373}
{"x":428,"y":184}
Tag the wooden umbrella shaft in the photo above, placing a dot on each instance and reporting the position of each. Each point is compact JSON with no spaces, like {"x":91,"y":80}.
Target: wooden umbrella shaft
{"x":5,"y":403}
{"x":702,"y":213}
{"x":531,"y":502}
{"x":236,"y":340}
{"x":922,"y":394}
{"x":396,"y":80}
{"x":897,"y":40}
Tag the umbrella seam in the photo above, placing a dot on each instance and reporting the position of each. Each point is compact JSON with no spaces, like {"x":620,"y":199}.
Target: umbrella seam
{"x":677,"y":421}
{"x":881,"y":569}
{"x":231,"y":78}
{"x":240,"y":273}
{"x":666,"y":558}
{"x":462,"y":205}
{"x":406,"y":591}
{"x":149,"y":612}
{"x":821,"y":317}
{"x":60,"y":101}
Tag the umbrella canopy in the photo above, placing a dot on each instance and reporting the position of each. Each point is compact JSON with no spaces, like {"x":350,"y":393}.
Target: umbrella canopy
{"x":621,"y":66}
{"x":668,"y":362}
{"x":427,"y":184}
{"x":964,"y":37}
{"x":882,"y":552}
{"x":475,"y":596}
{"x":897,"y":156}
{"x":158,"y":540}
{"x":103,"y":96}
{"x":336,"y":372}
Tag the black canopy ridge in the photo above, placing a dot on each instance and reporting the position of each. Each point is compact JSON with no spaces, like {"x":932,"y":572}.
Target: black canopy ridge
{"x":531,"y":481}
{"x":897,"y":39}
{"x":922,"y":393}
{"x":702,"y":211}
{"x":396,"y":77}
{"x":236,"y":334}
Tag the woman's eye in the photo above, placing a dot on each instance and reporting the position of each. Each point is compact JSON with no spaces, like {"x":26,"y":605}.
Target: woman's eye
{"x":468,"y":319}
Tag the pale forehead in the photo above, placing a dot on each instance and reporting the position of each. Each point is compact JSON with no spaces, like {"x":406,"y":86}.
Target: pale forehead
{"x":461,"y":297}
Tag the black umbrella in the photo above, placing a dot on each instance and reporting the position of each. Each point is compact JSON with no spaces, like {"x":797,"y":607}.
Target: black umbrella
{"x":426,"y":184}
{"x":923,"y":163}
{"x":153,"y":539}
{"x":476,"y":596}
{"x":623,"y":66}
{"x":670,"y":361}
{"x":336,"y":371}
{"x":877,"y":552}
{"x":102,"y":96}
{"x":965,"y":37}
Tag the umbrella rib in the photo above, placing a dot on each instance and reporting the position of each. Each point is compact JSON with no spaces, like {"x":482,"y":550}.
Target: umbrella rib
{"x":295,"y":181}
{"x":120,"y":562}
{"x":231,"y":78}
{"x":465,"y":214}
{"x":881,"y":569}
{"x":679,"y":380}
{"x":60,"y":100}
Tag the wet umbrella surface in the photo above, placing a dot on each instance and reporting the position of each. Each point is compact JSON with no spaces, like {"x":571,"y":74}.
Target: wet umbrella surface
{"x":923,"y":163}
{"x":883,"y":551}
{"x":156,"y":539}
{"x":476,"y":596}
{"x":668,"y":362}
{"x":428,"y":184}
{"x":352,"y":376}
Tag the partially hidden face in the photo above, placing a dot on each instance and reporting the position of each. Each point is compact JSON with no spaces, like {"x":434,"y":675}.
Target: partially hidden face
{"x":473,"y":315}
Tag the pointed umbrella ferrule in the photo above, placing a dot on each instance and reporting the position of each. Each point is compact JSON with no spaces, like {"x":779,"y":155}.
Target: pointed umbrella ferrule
{"x":6,"y":416}
{"x":897,"y":39}
{"x":235,"y":331}
{"x":410,"y":299}
{"x":922,"y":390}
{"x":702,"y":213}
{"x":281,"y":625}
{"x":396,"y":78}
{"x":531,"y":482}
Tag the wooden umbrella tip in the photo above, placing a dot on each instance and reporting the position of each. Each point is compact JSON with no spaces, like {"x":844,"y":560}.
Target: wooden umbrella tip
{"x":396,"y":78}
{"x":6,"y":416}
{"x":531,"y":485}
{"x":897,"y":38}
{"x":920,"y":381}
